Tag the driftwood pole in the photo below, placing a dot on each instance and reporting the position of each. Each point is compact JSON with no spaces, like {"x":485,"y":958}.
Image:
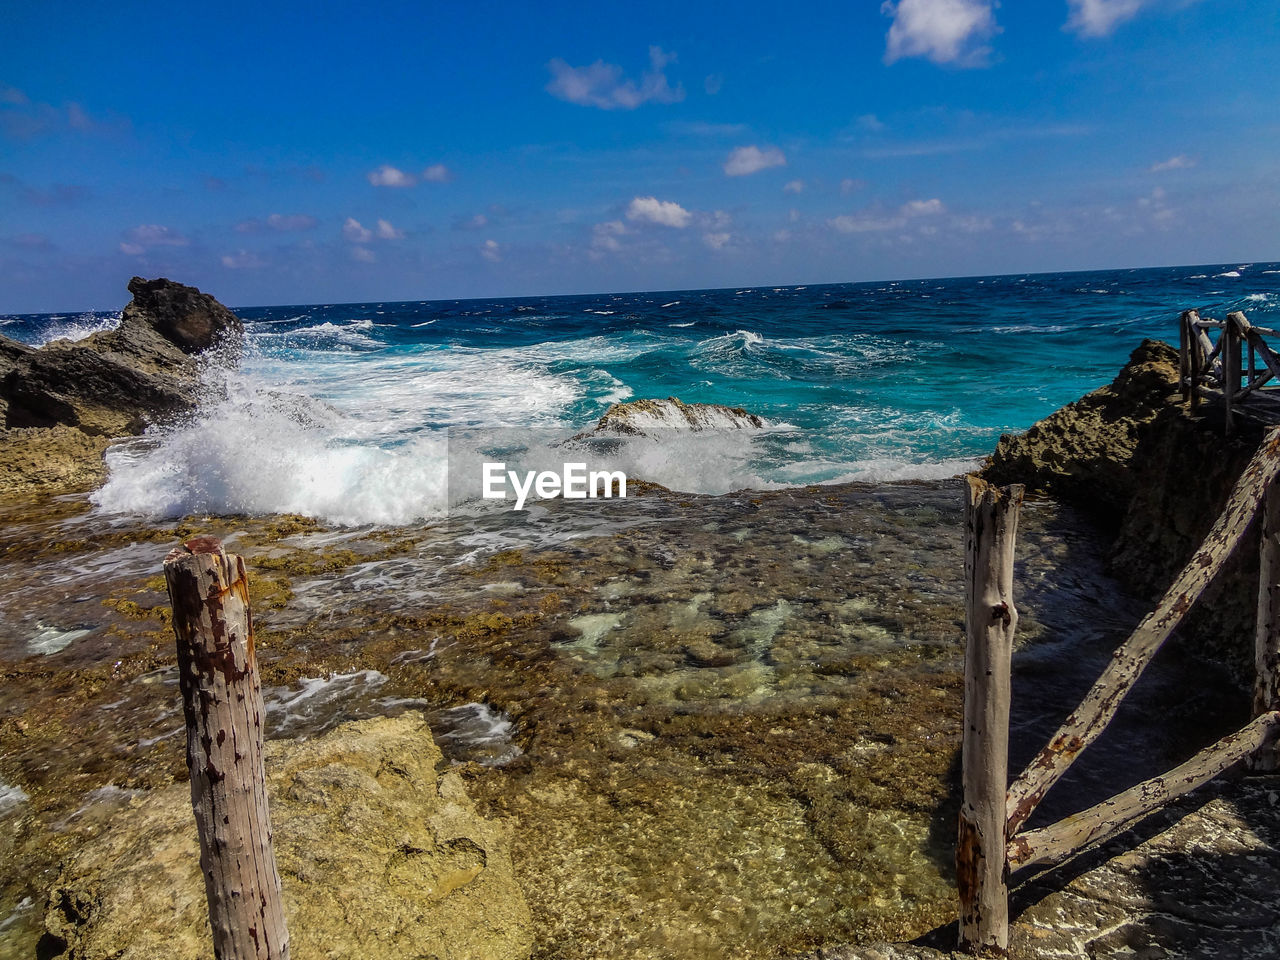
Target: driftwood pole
{"x":991,"y":527}
{"x":223,"y":703}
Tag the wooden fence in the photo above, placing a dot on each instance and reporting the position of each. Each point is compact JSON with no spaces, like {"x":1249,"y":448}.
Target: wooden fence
{"x":991,"y":840}
{"x":1214,"y":370}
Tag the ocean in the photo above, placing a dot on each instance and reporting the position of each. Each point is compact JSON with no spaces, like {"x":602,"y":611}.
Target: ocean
{"x":344,"y":412}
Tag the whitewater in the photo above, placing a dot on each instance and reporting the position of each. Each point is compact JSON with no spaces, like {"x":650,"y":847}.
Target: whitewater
{"x":354,"y":413}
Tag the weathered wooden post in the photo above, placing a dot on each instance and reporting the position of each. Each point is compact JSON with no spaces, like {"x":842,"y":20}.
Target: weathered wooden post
{"x":1184,"y":355}
{"x":1230,"y":367}
{"x":1266,"y":687}
{"x":223,"y":703}
{"x":1195,"y":358}
{"x":991,"y":528}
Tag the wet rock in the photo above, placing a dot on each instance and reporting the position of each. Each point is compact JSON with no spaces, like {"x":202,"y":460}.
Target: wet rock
{"x":190,"y":320}
{"x":113,"y":383}
{"x":379,"y":856}
{"x":56,"y":457}
{"x":638,"y":417}
{"x":99,"y":393}
{"x":1186,"y":885}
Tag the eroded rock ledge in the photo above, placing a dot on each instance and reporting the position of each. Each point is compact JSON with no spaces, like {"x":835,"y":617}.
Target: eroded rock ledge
{"x":1133,"y":453}
{"x":60,"y":405}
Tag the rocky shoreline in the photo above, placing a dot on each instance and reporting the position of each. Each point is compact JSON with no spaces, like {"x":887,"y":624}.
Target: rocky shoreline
{"x":1133,"y":454}
{"x":62,"y":404}
{"x":717,"y":726}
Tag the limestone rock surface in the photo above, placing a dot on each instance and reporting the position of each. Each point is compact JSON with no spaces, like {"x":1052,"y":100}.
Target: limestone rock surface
{"x":379,"y":856}
{"x":1085,"y":450}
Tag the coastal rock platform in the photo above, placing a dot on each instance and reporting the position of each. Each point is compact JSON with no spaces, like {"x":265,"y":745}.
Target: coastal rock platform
{"x":379,"y":856}
{"x":61,"y":404}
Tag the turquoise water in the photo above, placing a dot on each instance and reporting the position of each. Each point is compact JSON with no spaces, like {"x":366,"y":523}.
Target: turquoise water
{"x":346,"y":406}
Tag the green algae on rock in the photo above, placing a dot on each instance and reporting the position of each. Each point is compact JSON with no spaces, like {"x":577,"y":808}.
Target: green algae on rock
{"x":379,"y":856}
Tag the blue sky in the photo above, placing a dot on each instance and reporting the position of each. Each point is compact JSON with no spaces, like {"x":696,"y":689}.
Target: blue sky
{"x":291,"y":153}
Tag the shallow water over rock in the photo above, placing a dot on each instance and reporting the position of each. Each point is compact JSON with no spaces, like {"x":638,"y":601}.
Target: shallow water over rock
{"x":722,"y":726}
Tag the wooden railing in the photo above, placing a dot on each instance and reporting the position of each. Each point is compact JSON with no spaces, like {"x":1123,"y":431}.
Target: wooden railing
{"x":991,"y":841}
{"x":1209,"y":369}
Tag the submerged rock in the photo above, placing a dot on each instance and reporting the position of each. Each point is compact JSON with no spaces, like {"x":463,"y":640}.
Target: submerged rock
{"x":113,"y":383}
{"x":638,"y":417}
{"x":379,"y":856}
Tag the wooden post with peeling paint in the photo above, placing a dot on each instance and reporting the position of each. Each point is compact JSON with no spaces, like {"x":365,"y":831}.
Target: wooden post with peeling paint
{"x":1230,"y":369}
{"x":222,"y":700}
{"x":1266,"y":688}
{"x":991,"y":527}
{"x":1186,"y":380}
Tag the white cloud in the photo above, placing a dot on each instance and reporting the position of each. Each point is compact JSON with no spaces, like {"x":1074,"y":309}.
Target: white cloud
{"x":13,"y":96}
{"x":793,"y":186}
{"x":297,"y":221}
{"x":849,"y":184}
{"x":746,"y":160}
{"x":713,"y":84}
{"x":716,"y":241}
{"x":363,"y":254}
{"x":923,"y":208}
{"x":132,"y":249}
{"x":437,"y":173}
{"x":278,"y":221}
{"x":667,"y":213}
{"x":389,"y":176}
{"x":945,"y":31}
{"x":1180,"y":162}
{"x":242,"y":260}
{"x":868,"y":222}
{"x":603,"y":85}
{"x":863,"y":223}
{"x":153,"y":235}
{"x":1097,"y":18}
{"x":604,"y":236}
{"x":870,"y":123}
{"x":491,"y":251}
{"x":356,"y":233}
{"x":387,"y":232}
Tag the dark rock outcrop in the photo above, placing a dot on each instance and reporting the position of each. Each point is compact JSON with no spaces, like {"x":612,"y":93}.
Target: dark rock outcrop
{"x":112,"y":383}
{"x":190,"y":320}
